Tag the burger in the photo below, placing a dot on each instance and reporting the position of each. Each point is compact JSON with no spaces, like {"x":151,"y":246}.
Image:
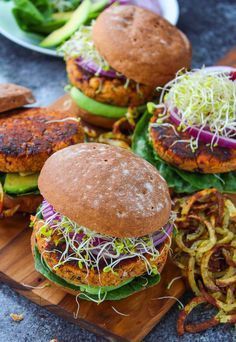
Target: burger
{"x":190,"y":135}
{"x":28,"y":136}
{"x":115,"y":64}
{"x":103,"y":230}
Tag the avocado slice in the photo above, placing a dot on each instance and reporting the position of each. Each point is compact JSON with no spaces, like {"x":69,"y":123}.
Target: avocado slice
{"x":78,"y":18}
{"x":15,"y":184}
{"x":95,"y":290}
{"x":98,"y":108}
{"x":63,"y":16}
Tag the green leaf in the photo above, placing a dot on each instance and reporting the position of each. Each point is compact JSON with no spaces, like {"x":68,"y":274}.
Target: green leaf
{"x":36,"y":16}
{"x":180,"y":181}
{"x":137,"y":284}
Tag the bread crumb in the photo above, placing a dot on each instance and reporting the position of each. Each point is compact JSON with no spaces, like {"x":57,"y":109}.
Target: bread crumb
{"x":17,"y":317}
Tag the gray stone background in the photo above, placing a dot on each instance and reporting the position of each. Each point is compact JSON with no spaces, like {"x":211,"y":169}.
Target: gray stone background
{"x":211,"y":27}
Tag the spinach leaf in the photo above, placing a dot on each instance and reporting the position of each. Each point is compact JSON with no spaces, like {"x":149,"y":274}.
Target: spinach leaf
{"x":36,"y":16}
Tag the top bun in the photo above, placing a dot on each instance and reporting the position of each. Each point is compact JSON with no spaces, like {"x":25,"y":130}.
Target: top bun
{"x":106,"y":189}
{"x":141,"y":45}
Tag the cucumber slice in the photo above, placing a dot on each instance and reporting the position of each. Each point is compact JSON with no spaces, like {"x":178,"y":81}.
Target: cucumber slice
{"x":77,"y":19}
{"x":98,"y":108}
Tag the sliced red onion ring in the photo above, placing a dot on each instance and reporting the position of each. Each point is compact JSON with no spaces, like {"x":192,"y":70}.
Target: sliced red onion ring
{"x":232,"y":75}
{"x":204,"y":135}
{"x":160,"y":237}
{"x":48,"y":211}
{"x":93,"y":68}
{"x":78,"y":237}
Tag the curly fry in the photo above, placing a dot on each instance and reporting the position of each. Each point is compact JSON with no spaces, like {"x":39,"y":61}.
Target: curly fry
{"x":206,"y":250}
{"x":191,"y":276}
{"x":198,"y":326}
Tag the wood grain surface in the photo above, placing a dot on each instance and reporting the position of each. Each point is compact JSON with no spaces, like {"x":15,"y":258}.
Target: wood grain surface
{"x":144,"y":309}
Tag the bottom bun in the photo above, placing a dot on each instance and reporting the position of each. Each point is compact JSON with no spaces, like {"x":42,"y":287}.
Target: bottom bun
{"x":26,"y":203}
{"x":96,"y":120}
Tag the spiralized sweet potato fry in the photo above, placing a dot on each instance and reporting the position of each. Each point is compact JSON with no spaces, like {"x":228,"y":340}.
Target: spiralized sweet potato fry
{"x":205,"y":251}
{"x":6,"y":212}
{"x":196,"y":327}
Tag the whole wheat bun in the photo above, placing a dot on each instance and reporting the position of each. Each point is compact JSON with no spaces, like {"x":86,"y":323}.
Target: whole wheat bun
{"x":14,"y":96}
{"x":141,"y":45}
{"x":106,"y":189}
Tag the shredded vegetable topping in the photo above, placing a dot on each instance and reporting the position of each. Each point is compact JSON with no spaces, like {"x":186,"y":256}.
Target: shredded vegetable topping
{"x":82,"y":45}
{"x":203,"y":99}
{"x":94,"y":251}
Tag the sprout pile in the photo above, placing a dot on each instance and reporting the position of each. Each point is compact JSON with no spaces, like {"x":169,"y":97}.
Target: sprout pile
{"x":202,"y":99}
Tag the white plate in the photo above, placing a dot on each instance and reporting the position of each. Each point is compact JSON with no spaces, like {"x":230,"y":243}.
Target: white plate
{"x":10,"y":29}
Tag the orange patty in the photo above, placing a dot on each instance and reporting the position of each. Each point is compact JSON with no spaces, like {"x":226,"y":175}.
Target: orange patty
{"x":77,"y":276}
{"x":27,"y":138}
{"x":107,"y":90}
{"x":166,"y":143}
{"x":24,"y":203}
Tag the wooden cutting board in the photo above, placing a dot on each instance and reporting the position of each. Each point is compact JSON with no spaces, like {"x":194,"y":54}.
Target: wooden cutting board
{"x":143,"y":310}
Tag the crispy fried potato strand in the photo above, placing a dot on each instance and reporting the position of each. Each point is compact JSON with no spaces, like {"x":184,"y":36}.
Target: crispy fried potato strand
{"x":197,"y":327}
{"x":4,"y":213}
{"x":205,"y":251}
{"x":191,"y":276}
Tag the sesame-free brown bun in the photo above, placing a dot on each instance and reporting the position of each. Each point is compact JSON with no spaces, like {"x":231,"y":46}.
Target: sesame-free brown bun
{"x":141,"y":45}
{"x":106,"y":189}
{"x":96,"y":120}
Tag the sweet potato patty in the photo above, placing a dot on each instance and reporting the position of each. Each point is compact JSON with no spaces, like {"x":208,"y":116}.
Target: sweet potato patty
{"x":27,"y":140}
{"x":204,"y":160}
{"x":75,"y":275}
{"x":107,"y":90}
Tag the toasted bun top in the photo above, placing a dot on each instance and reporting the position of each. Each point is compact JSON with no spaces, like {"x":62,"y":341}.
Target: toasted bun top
{"x":141,"y":45}
{"x":106,"y":189}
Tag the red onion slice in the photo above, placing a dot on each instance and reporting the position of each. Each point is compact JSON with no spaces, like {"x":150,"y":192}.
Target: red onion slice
{"x":93,"y":68}
{"x":48,"y":211}
{"x":162,"y":236}
{"x":206,"y":136}
{"x":203,"y":135}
